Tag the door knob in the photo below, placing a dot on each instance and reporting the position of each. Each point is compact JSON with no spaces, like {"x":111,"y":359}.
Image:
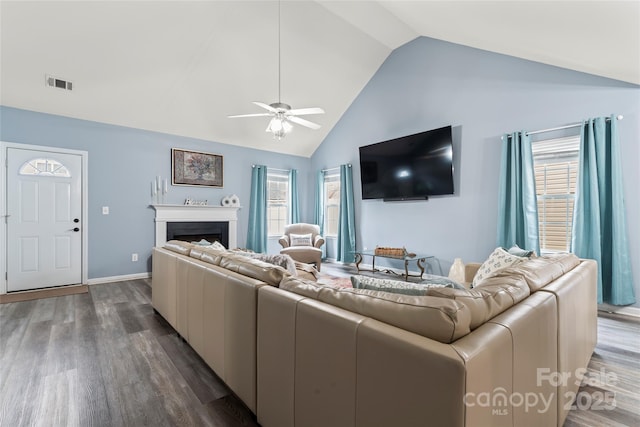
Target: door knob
{"x":76,"y":229}
{"x":76,"y":220}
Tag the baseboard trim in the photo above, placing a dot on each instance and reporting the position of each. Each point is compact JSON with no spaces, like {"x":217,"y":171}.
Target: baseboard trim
{"x":101,"y":280}
{"x":627,"y":311}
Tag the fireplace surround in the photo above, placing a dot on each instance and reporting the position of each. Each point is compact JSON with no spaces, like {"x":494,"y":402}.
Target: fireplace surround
{"x":194,"y":222}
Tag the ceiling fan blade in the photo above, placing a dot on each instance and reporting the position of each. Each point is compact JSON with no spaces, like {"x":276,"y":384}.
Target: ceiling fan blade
{"x":303,"y":122}
{"x":265,"y":106}
{"x":304,"y":111}
{"x":250,"y":115}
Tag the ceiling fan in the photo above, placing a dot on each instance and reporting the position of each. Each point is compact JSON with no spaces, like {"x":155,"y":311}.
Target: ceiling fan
{"x":281,"y":114}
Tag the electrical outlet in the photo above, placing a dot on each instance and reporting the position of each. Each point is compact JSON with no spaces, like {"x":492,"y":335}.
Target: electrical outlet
{"x":105,"y":210}
{"x":134,"y":257}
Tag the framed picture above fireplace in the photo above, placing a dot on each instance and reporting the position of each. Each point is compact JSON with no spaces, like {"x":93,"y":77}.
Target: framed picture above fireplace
{"x":196,"y":168}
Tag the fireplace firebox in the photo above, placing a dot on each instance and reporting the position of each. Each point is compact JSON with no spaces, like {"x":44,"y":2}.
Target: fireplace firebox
{"x":194,"y":231}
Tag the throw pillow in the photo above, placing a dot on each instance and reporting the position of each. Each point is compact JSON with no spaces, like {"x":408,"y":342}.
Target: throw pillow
{"x":301,"y":239}
{"x":202,"y":242}
{"x":518,"y":251}
{"x":394,"y":286}
{"x":282,"y":260}
{"x":432,"y":279}
{"x":219,"y":246}
{"x":498,"y":260}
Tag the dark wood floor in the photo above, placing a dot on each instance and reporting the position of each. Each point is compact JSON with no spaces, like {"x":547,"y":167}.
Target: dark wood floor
{"x":612,"y":396}
{"x":105,"y":359}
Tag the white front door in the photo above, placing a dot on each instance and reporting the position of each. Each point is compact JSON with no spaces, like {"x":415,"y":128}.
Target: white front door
{"x":44,"y":222}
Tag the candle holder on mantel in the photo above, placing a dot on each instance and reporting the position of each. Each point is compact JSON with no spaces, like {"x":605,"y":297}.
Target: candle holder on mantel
{"x":159,"y":190}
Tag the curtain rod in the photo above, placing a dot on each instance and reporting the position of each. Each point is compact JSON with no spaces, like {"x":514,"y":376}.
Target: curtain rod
{"x":573,"y":125}
{"x":335,"y":168}
{"x":273,"y":169}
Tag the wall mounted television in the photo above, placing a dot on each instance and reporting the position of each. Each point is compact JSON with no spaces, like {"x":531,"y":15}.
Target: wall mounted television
{"x":412,"y":167}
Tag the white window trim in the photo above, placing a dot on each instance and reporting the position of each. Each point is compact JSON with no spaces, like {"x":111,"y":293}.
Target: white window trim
{"x":283,"y":176}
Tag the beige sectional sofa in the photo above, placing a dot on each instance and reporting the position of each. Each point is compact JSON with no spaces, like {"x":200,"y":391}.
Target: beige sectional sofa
{"x":302,"y":354}
{"x":210,"y":298}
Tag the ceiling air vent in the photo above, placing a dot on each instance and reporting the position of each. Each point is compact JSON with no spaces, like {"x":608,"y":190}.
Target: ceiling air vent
{"x":58,"y":83}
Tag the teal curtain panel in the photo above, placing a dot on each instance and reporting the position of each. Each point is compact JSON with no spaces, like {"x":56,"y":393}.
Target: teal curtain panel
{"x":257,"y":230}
{"x":599,"y":223}
{"x":517,"y":204}
{"x":347,"y":217}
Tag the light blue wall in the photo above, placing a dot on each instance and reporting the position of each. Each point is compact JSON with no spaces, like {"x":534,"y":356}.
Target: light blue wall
{"x":122,"y":164}
{"x":427,"y":84}
{"x":423,"y":85}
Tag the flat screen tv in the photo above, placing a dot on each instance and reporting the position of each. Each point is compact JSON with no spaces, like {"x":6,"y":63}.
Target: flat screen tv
{"x":408,"y":168}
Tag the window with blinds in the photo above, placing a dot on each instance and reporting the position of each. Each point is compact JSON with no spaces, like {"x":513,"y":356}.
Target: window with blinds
{"x":277,"y":202}
{"x":556,"y":167}
{"x":331,"y":204}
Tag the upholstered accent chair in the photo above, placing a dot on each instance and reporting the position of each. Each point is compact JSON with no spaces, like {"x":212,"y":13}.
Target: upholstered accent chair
{"x":303,"y":243}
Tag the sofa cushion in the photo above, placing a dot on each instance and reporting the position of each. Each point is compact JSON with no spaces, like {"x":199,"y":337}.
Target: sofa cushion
{"x":306,"y":271}
{"x":539,"y":272}
{"x":498,"y":260}
{"x":493,"y":296}
{"x":441,"y":319}
{"x":196,"y":252}
{"x":301,"y":286}
{"x":210,"y":254}
{"x":260,"y":270}
{"x":402,"y":287}
{"x":178,"y":246}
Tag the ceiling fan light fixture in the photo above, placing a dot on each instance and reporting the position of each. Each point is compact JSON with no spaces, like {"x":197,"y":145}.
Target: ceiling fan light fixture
{"x":279,"y":127}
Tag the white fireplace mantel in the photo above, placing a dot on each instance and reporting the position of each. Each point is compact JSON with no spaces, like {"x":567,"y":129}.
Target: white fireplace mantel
{"x":185,"y":213}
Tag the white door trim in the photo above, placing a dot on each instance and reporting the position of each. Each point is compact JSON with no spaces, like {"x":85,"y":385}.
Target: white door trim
{"x":3,"y":205}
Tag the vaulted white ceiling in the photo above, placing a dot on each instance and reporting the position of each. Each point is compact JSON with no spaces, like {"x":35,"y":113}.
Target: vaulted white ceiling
{"x":182,"y":67}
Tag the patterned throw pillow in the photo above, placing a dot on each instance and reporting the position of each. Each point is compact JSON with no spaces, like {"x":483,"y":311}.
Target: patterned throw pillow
{"x":498,"y":260}
{"x":394,"y":286}
{"x":300,"y":239}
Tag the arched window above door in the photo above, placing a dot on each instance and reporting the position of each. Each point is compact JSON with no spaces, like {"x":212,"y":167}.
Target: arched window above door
{"x":44,"y":167}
